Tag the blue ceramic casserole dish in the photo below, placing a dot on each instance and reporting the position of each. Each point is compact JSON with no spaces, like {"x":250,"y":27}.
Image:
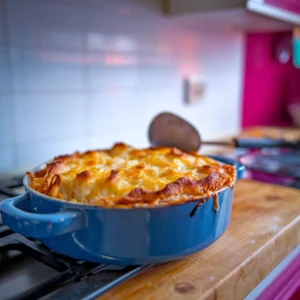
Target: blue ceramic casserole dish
{"x":120,"y":236}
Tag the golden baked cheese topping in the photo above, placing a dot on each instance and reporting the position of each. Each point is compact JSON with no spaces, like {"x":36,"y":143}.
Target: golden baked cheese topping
{"x":125,"y":177}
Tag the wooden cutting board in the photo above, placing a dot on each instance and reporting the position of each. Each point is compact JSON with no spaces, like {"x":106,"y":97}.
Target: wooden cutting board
{"x":265,"y":227}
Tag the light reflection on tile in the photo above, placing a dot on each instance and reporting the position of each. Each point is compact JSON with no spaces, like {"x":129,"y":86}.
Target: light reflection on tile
{"x":104,"y":42}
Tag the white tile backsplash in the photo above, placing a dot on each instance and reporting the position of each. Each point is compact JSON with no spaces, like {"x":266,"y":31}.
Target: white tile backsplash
{"x":45,"y":25}
{"x":6,"y":120}
{"x":5,"y":71}
{"x":46,"y":71}
{"x":105,"y":140}
{"x":84,"y":74}
{"x":29,"y":154}
{"x":3,"y":37}
{"x":7,"y":158}
{"x":110,"y":79}
{"x":40,"y":116}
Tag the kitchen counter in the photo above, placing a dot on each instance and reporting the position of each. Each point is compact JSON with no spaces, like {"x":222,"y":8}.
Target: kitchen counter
{"x":264,"y":228}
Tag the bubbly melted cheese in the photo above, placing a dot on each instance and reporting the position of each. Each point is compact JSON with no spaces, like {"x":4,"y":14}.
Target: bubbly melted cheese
{"x":103,"y":177}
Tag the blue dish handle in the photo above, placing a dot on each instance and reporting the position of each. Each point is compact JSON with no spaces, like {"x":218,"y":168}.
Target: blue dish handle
{"x":39,"y":225}
{"x":240,"y":168}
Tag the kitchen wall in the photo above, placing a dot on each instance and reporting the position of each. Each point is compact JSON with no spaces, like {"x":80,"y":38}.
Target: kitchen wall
{"x":83,"y":74}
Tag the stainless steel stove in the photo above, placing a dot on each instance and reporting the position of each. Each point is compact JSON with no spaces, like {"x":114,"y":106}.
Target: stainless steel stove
{"x":29,"y":270}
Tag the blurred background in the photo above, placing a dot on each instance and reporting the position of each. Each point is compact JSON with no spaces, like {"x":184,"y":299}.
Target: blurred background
{"x":77,"y":75}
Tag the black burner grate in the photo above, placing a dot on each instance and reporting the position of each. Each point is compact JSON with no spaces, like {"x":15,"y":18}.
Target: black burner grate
{"x":71,"y":280}
{"x":29,"y":270}
{"x":10,"y":186}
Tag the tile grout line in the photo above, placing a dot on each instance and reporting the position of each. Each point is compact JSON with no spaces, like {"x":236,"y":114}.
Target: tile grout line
{"x":86,"y":73}
{"x":11,"y":81}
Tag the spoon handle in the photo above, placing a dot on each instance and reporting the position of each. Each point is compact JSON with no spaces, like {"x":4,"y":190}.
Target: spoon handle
{"x":265,"y":143}
{"x":255,"y":143}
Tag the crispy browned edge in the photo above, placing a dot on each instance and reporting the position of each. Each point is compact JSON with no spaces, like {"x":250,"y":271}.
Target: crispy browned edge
{"x":184,"y":186}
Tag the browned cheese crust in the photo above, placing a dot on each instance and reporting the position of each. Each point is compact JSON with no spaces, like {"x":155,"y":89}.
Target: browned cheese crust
{"x":125,"y":177}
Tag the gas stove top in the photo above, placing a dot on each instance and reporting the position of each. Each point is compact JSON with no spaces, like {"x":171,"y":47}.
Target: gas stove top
{"x":30,"y":270}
